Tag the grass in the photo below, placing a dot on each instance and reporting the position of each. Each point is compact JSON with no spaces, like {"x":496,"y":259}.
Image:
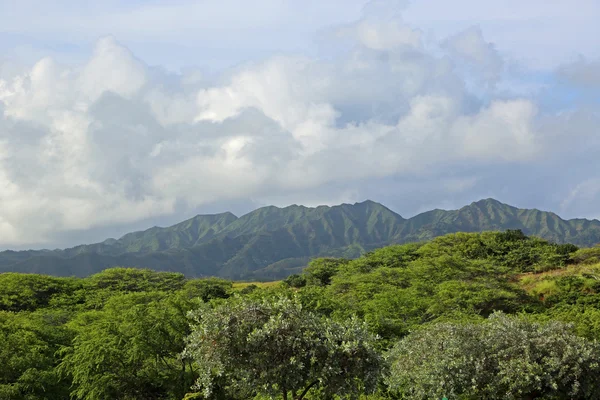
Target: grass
{"x":529,"y":280}
{"x":543,"y":284}
{"x":263,"y":285}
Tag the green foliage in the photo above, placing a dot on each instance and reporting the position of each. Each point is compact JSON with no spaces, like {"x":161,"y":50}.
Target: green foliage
{"x":574,"y":285}
{"x":511,"y":250}
{"x":121,"y":333}
{"x":99,"y":288}
{"x":279,"y":348}
{"x":585,"y":319}
{"x":28,"y":345}
{"x":587,"y":256}
{"x":27,"y":292}
{"x":503,"y":357}
{"x":207,"y":289}
{"x":117,"y":334}
{"x":135,"y":280}
{"x":390,"y":256}
{"x":249,"y":289}
{"x":129,"y":349}
{"x":398,"y":288}
{"x":320,"y":271}
{"x":295,"y":281}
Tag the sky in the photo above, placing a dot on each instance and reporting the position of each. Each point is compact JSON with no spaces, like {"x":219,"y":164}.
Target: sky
{"x":121,"y":115}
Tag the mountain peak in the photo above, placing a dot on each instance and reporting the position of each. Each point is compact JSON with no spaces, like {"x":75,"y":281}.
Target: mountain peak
{"x":489,"y":201}
{"x":226,"y":214}
{"x":368,"y":203}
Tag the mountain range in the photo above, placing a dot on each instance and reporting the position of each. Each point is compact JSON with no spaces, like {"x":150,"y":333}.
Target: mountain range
{"x":272,"y":242}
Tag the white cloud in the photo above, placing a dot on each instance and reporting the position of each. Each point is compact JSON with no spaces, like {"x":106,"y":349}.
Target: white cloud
{"x":503,"y":131}
{"x":541,"y":34}
{"x":583,"y":73}
{"x":377,"y":34}
{"x":469,"y":46}
{"x":112,"y":68}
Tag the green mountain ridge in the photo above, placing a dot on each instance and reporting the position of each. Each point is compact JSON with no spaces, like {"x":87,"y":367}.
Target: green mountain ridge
{"x":273,"y":242}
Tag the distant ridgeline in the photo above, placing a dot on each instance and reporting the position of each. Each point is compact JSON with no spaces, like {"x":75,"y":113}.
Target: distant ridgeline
{"x":272,"y":242}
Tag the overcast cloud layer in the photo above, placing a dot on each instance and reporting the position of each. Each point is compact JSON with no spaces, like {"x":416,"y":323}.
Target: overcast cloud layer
{"x":96,"y":142}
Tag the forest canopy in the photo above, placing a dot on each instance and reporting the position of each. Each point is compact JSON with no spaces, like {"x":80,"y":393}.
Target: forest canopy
{"x":466,"y":315}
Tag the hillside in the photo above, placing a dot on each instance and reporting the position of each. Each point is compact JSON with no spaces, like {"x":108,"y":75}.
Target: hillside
{"x":272,"y":242}
{"x":490,"y":214}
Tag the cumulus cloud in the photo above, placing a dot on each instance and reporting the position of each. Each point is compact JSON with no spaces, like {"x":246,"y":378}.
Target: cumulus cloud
{"x":378,"y":34}
{"x":583,"y":73}
{"x":113,"y":141}
{"x":381,"y":28}
{"x":470,"y":47}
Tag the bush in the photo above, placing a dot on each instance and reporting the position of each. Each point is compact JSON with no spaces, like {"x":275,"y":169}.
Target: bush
{"x":504,"y":357}
{"x":295,"y":281}
{"x":586,"y":256}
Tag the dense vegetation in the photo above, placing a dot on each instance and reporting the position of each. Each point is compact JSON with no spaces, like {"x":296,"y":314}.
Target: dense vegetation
{"x":272,"y":243}
{"x":465,"y":316}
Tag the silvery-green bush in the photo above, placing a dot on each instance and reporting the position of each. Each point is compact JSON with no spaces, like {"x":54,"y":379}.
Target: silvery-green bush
{"x":501,"y":358}
{"x":244,"y":347}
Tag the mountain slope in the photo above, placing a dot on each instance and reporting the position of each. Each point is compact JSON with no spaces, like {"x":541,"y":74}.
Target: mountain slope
{"x":273,"y":242}
{"x":193,"y":231}
{"x":490,"y":214}
{"x":368,"y":219}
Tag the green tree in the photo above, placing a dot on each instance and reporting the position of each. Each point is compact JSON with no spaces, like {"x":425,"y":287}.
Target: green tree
{"x":504,"y":357}
{"x":295,"y":281}
{"x":130,"y":349}
{"x":320,"y":270}
{"x":277,"y":348}
{"x":207,"y":288}
{"x":28,"y":345}
{"x":28,"y":292}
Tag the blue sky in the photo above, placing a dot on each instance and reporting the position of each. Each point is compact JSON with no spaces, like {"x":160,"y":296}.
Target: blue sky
{"x":120,"y":115}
